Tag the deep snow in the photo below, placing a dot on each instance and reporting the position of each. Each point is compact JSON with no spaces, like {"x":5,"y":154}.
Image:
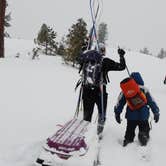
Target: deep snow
{"x":36,"y":95}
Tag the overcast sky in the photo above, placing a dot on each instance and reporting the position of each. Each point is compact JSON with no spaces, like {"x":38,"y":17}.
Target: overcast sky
{"x":132,"y":24}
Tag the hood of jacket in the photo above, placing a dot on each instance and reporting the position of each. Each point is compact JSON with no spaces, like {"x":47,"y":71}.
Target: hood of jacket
{"x":137,"y":77}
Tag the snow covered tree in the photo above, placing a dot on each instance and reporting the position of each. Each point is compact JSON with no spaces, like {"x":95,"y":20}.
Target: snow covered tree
{"x":2,"y":24}
{"x":102,"y":32}
{"x":75,"y":40}
{"x":161,"y":54}
{"x":61,"y":48}
{"x":145,"y":51}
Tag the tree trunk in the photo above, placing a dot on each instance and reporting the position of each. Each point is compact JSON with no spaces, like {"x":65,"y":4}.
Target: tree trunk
{"x":46,"y":48}
{"x":2,"y":21}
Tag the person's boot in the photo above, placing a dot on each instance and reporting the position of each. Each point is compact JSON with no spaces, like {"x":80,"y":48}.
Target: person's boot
{"x":100,"y":128}
{"x":126,"y":142}
{"x":143,"y":138}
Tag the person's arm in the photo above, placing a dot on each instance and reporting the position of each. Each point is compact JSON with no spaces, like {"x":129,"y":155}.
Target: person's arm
{"x":153,"y":105}
{"x":119,"y":107}
{"x":116,"y":66}
{"x":120,"y":104}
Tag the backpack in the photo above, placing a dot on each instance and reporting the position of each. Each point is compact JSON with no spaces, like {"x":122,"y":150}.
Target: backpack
{"x":134,"y":96}
{"x":91,"y":68}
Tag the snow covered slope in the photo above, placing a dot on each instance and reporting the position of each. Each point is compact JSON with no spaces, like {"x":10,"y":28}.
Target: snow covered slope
{"x":36,"y":95}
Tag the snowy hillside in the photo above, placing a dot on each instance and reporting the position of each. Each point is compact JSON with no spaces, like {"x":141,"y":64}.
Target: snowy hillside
{"x":36,"y":95}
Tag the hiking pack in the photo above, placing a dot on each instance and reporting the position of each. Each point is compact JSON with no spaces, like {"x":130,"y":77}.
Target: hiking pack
{"x":134,"y":96}
{"x":91,"y":68}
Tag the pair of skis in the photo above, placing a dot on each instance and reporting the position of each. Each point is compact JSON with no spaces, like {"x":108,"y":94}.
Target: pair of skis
{"x":95,"y":10}
{"x":93,"y":32}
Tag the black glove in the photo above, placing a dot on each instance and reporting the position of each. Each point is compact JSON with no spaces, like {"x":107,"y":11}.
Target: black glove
{"x":156,"y":117}
{"x":117,"y":117}
{"x":121,"y":52}
{"x":165,"y":81}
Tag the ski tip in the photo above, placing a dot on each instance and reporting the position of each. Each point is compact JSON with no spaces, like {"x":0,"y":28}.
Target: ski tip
{"x":39,"y":161}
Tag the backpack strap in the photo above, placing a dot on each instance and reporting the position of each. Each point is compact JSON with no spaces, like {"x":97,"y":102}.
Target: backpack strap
{"x":78,"y":84}
{"x":107,"y":79}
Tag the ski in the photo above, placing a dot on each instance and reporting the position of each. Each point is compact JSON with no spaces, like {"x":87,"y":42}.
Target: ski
{"x":97,"y":161}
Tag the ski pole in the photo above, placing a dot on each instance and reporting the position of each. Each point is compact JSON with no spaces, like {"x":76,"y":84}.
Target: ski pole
{"x":78,"y":102}
{"x":128,"y":71}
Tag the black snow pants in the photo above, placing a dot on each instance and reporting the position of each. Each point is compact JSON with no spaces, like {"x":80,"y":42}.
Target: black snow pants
{"x":92,"y":96}
{"x":143,"y":134}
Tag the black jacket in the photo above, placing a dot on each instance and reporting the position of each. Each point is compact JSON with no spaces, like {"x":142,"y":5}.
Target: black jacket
{"x":110,"y":65}
{"x":107,"y":63}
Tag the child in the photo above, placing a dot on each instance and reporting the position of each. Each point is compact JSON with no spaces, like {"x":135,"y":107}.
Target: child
{"x":138,"y":117}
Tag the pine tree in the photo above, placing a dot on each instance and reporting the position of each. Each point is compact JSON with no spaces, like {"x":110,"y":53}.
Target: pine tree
{"x":52,"y":44}
{"x":2,"y":24}
{"x":75,"y":40}
{"x":102,"y":32}
{"x":42,"y":38}
{"x":46,"y":38}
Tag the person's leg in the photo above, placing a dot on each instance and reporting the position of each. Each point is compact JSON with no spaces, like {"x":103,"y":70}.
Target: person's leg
{"x":88,"y":104}
{"x":144,"y":129}
{"x":101,"y":111}
{"x":130,"y":132}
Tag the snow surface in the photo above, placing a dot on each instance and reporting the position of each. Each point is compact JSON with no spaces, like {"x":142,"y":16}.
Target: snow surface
{"x":36,"y":95}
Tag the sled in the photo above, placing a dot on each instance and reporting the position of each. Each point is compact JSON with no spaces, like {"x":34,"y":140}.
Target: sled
{"x":70,"y":140}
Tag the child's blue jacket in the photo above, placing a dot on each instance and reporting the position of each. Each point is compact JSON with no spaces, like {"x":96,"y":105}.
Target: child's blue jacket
{"x":142,"y":113}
